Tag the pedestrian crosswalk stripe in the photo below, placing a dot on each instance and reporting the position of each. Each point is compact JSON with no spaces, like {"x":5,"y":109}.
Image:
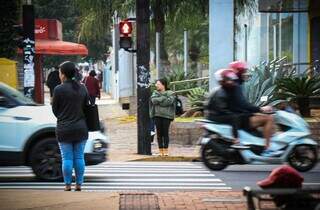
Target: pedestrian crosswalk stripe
{"x":120,"y":171}
{"x":123,"y":176}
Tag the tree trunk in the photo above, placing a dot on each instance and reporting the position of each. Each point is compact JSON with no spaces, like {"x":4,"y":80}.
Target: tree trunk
{"x":159,"y":23}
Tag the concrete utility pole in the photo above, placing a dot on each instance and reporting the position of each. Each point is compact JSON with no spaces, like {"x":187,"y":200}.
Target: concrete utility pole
{"x":143,"y":76}
{"x":245,"y":42}
{"x":115,"y":62}
{"x":158,"y":55}
{"x":28,"y":49}
{"x":185,"y":60}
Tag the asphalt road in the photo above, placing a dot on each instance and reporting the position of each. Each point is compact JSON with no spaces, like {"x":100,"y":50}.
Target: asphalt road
{"x":239,"y":176}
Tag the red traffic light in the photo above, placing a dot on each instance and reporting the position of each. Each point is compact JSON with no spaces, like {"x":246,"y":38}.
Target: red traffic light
{"x":125,"y":28}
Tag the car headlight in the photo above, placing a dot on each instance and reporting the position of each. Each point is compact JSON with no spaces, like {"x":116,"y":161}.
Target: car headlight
{"x":99,"y":145}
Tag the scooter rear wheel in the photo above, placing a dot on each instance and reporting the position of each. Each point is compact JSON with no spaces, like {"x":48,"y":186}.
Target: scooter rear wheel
{"x":303,"y":158}
{"x":211,"y":160}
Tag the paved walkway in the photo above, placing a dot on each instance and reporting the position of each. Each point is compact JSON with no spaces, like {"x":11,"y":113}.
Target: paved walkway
{"x":53,"y":200}
{"x":123,"y":135}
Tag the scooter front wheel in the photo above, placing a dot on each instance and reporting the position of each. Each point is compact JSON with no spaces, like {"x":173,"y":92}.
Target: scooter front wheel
{"x":303,"y":158}
{"x":211,"y":160}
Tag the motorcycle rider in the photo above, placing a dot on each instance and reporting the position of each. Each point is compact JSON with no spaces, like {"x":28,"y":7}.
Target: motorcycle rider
{"x":217,"y":107}
{"x":251,"y":115}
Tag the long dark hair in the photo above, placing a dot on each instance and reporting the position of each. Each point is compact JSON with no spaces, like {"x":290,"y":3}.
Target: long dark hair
{"x":164,"y":83}
{"x":92,"y":73}
{"x":69,"y":69}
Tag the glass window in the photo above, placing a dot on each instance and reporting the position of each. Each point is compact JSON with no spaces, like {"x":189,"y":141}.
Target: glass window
{"x":267,"y":36}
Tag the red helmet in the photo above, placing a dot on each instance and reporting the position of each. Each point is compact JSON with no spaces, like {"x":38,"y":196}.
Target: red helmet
{"x":282,"y":177}
{"x":240,"y":67}
{"x":225,"y":74}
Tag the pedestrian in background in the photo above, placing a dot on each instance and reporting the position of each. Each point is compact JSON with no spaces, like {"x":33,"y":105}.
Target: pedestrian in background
{"x":69,"y":101}
{"x":93,"y":86}
{"x":162,"y":111}
{"x":53,"y":80}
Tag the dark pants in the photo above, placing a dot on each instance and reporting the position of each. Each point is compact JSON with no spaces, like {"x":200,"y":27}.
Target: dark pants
{"x":152,"y":128}
{"x":162,"y":126}
{"x":51,"y":92}
{"x":237,"y":121}
{"x":92,"y":100}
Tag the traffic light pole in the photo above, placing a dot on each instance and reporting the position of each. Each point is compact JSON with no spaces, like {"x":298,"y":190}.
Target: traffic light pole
{"x":143,"y":76}
{"x":28,"y":50}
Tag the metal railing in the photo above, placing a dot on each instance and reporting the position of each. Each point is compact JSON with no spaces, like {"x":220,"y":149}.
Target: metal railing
{"x":200,"y":83}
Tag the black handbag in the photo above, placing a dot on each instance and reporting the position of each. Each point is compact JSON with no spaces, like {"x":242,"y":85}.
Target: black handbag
{"x":92,"y":117}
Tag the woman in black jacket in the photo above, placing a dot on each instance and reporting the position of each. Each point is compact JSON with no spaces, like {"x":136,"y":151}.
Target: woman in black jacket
{"x":69,"y":101}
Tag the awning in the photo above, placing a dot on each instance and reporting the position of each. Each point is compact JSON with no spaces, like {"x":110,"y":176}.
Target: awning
{"x":58,"y":47}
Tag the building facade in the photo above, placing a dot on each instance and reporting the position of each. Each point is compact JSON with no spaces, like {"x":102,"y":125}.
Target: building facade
{"x":264,"y":31}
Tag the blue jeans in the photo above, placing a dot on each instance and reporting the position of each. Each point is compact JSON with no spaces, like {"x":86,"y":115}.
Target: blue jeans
{"x":72,"y":157}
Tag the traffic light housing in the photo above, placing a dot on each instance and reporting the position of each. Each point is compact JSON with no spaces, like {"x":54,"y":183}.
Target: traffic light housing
{"x":125,"y":29}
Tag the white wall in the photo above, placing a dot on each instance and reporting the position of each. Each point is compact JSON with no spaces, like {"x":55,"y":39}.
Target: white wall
{"x":126,"y":69}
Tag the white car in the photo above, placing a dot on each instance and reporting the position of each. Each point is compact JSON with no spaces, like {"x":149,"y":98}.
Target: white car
{"x":27,"y":136}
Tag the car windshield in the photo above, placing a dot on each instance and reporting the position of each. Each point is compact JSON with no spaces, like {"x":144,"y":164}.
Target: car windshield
{"x":13,"y":93}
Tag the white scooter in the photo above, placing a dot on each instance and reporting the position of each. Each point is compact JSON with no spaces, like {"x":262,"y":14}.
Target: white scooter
{"x":291,"y":143}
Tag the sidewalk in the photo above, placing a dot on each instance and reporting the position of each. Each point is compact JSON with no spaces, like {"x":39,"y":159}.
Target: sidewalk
{"x":55,"y":200}
{"x":123,"y":135}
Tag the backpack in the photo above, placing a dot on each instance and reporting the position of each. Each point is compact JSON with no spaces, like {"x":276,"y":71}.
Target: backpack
{"x":179,"y":106}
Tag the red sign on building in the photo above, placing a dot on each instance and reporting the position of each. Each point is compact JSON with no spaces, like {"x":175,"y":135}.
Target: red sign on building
{"x":48,"y":29}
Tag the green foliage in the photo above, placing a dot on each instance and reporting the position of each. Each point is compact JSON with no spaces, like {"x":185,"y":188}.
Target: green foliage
{"x":177,"y":74}
{"x":95,"y":24}
{"x":263,"y":83}
{"x":9,"y":18}
{"x":197,"y":97}
{"x":66,"y":12}
{"x":298,"y":86}
{"x":192,"y":17}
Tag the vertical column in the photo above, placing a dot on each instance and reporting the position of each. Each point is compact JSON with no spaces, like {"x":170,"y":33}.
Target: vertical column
{"x":39,"y":89}
{"x":264,"y":41}
{"x":158,"y":55}
{"x":245,"y":42}
{"x":280,"y":36}
{"x":274,"y":41}
{"x":143,"y":75}
{"x":185,"y":47}
{"x":221,"y":36}
{"x":300,"y":39}
{"x":28,"y":50}
{"x":115,"y":58}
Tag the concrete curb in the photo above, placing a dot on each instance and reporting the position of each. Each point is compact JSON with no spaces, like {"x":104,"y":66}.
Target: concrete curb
{"x":169,"y":159}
